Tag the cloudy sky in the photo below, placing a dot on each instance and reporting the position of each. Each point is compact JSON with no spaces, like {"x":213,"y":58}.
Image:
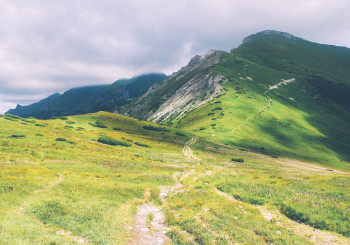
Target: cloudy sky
{"x":51,"y":46}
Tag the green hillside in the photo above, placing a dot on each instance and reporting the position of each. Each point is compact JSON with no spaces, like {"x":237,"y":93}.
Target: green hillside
{"x":84,"y":179}
{"x":269,"y":102}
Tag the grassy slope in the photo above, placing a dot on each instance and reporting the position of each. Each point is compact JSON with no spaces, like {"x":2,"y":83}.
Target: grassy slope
{"x":294,"y":125}
{"x":100,"y":181}
{"x":298,"y":56}
{"x":92,"y":189}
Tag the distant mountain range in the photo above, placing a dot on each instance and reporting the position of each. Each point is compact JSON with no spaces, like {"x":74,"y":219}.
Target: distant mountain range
{"x":276,"y":93}
{"x":89,"y":99}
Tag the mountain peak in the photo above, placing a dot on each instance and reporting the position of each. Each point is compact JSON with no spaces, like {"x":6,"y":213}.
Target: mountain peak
{"x":199,"y":58}
{"x":270,"y":33}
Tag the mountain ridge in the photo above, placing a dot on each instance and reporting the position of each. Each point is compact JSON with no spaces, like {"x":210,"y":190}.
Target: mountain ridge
{"x":89,"y":99}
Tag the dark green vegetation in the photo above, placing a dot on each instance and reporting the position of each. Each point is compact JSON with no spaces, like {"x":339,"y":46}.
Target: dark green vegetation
{"x":110,"y":141}
{"x":90,"y":99}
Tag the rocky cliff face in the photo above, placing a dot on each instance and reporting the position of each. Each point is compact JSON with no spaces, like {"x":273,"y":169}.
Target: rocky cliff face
{"x":184,"y":91}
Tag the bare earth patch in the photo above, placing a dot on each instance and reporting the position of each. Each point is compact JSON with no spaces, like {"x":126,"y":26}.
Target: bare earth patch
{"x":150,"y":230}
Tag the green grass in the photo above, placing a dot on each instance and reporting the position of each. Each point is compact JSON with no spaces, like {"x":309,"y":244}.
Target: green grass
{"x":93,"y":189}
{"x":285,"y":128}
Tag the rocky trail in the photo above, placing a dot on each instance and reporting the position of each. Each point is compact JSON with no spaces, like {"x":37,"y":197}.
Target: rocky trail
{"x":149,"y":225}
{"x":187,"y":150}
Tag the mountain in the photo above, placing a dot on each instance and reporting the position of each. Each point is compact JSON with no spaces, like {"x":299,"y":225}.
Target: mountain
{"x":89,"y":99}
{"x":276,"y":94}
{"x":224,"y":173}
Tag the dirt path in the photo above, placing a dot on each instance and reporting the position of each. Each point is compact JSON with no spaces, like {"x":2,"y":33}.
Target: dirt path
{"x":255,"y":114}
{"x":283,"y":82}
{"x":307,"y":166}
{"x":187,"y":150}
{"x":315,"y":236}
{"x":149,"y":225}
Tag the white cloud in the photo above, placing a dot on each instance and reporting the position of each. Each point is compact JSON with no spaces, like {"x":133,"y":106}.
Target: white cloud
{"x":50,"y":46}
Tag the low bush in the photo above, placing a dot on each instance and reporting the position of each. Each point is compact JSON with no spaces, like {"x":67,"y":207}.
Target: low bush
{"x":60,"y":139}
{"x":40,"y":125}
{"x":69,"y":122}
{"x":202,"y":128}
{"x":160,"y":129}
{"x":179,"y":134}
{"x":18,"y":136}
{"x":293,"y":214}
{"x":141,"y":144}
{"x":237,"y":160}
{"x":98,"y":125}
{"x":118,"y":129}
{"x":217,"y":109}
{"x":110,"y":141}
{"x":64,"y":118}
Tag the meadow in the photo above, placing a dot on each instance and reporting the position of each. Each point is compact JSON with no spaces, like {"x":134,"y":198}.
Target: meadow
{"x":80,"y":179}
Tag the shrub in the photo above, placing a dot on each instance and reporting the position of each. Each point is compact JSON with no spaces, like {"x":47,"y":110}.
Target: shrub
{"x":18,"y":136}
{"x":68,"y":127}
{"x":156,"y":128}
{"x":60,"y":139}
{"x":40,"y":125}
{"x":213,"y":125}
{"x":179,"y":134}
{"x":69,"y":122}
{"x":293,"y":214}
{"x":202,"y":128}
{"x":141,"y":144}
{"x":217,"y":109}
{"x":110,"y":141}
{"x":64,"y":118}
{"x":237,"y":160}
{"x":117,"y":129}
{"x":39,"y":135}
{"x":256,"y":201}
{"x":98,"y":125}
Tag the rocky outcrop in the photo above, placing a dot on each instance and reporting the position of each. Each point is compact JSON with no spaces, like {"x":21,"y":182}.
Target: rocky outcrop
{"x":184,"y":91}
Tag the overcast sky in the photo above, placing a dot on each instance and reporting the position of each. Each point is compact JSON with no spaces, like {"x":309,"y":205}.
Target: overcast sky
{"x":49,"y":46}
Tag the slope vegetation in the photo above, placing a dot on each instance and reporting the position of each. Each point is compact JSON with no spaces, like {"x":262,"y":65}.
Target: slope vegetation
{"x":276,"y":94}
{"x":108,"y":179}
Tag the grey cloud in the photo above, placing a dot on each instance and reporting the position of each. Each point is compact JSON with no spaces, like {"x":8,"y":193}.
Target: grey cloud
{"x":51,"y":46}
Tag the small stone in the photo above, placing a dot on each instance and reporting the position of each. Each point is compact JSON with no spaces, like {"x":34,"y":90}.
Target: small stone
{"x":279,"y":232}
{"x":144,"y":229}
